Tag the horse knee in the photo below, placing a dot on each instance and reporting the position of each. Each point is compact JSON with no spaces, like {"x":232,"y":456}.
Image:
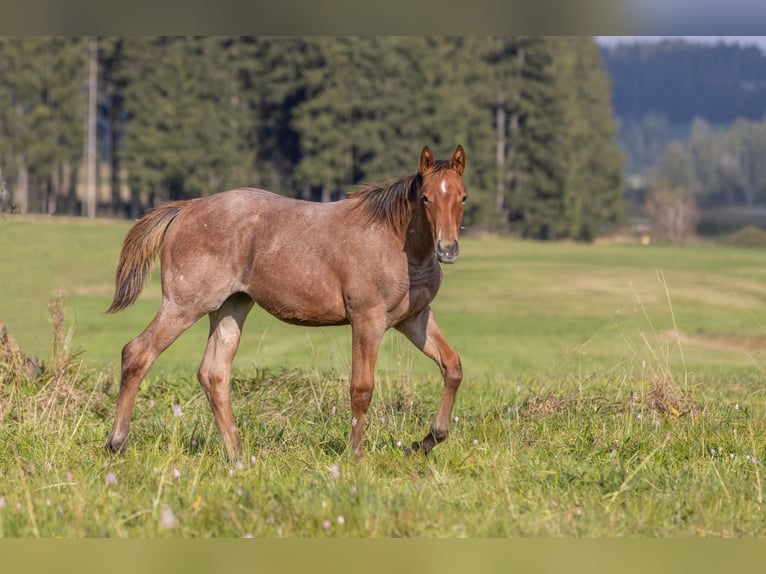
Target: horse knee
{"x":361,"y":396}
{"x":208,"y":379}
{"x":134,"y":359}
{"x":453,"y":374}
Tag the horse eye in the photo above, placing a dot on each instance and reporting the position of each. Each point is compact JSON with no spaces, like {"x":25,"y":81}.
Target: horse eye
{"x":465,"y":198}
{"x":424,"y":198}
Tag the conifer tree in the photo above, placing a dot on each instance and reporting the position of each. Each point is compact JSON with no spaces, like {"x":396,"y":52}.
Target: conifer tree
{"x":41,"y":81}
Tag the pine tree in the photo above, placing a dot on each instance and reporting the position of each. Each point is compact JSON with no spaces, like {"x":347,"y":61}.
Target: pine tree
{"x":537,"y":194}
{"x":182,"y":136}
{"x":272,"y":84}
{"x":114,"y":80}
{"x":43,"y":124}
{"x":593,"y":184}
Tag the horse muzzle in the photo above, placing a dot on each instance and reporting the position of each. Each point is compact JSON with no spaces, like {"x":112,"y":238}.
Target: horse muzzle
{"x":447,"y":252}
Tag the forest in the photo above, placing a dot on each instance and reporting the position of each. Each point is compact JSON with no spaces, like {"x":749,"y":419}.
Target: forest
{"x":312,"y":118}
{"x":708,"y":99}
{"x":691,"y":123}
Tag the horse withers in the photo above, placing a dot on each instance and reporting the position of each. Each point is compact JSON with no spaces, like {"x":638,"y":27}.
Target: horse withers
{"x":370,"y":260}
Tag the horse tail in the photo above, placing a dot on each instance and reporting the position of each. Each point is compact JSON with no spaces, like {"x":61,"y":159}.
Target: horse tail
{"x":139,"y":251}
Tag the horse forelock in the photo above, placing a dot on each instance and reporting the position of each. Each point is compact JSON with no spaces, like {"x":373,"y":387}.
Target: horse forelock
{"x":393,"y":202}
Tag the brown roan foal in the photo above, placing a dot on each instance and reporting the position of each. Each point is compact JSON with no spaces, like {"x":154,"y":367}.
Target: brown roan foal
{"x":370,"y":260}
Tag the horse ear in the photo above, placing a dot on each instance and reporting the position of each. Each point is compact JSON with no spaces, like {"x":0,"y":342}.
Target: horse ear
{"x":426,"y":161}
{"x":457,"y":162}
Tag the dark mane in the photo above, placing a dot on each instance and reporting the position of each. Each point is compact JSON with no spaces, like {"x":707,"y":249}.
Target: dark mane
{"x":392,"y":202}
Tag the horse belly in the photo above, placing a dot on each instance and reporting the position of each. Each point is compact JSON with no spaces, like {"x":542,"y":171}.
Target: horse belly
{"x":299,"y":304}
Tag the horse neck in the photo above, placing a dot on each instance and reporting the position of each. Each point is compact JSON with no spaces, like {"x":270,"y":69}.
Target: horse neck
{"x":419,"y":237}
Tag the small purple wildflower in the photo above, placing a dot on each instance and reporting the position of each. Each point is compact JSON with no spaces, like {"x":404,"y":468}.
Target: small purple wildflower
{"x":18,"y":507}
{"x":335,"y":471}
{"x":333,"y":411}
{"x":475,"y":441}
{"x":176,"y":473}
{"x":111,"y":478}
{"x":177,"y":411}
{"x":240,"y":492}
{"x":167,"y":518}
{"x":3,"y":504}
{"x":253,"y":458}
{"x":341,"y":520}
{"x":151,"y":403}
{"x":326,"y":524}
{"x":238,"y":465}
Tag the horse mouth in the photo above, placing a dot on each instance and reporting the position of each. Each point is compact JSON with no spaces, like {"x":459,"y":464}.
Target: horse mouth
{"x":444,"y":259}
{"x":447,"y":254}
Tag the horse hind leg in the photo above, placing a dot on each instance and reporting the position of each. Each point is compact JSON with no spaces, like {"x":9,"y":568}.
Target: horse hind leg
{"x":137,"y":357}
{"x":215,"y":370}
{"x":424,"y":333}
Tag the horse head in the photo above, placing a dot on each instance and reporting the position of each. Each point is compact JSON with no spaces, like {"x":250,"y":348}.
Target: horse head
{"x":443,"y":194}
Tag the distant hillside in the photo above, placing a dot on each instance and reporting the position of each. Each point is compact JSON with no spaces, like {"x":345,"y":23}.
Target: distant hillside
{"x":659,"y":88}
{"x":681,"y":81}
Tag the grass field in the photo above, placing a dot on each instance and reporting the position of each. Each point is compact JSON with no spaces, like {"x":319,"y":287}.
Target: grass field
{"x":610,"y":390}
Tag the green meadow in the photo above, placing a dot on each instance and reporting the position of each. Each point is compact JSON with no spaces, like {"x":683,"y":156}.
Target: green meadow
{"x":609,"y":390}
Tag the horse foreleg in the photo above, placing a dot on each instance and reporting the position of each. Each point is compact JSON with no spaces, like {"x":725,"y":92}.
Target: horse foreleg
{"x":215,"y":370}
{"x":365,"y":341}
{"x":137,"y":357}
{"x":424,"y":333}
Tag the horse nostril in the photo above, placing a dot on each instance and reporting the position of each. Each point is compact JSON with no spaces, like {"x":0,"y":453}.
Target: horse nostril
{"x":447,"y":253}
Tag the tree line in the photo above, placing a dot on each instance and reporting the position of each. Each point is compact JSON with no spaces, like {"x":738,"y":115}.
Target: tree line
{"x":660,"y":88}
{"x":313,"y":117}
{"x":681,"y":80}
{"x":720,"y":168}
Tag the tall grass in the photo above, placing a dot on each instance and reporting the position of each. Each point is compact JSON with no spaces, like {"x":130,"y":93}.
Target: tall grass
{"x":631,"y":452}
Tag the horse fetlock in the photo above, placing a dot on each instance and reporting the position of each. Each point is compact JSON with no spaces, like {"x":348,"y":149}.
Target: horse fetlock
{"x":439,"y":434}
{"x":234,"y":448}
{"x":434,"y":437}
{"x":116,"y":446}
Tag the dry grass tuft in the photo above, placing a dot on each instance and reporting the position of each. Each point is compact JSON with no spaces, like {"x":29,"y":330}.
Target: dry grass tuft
{"x":40,"y":393}
{"x":546,"y":406}
{"x":666,"y":398}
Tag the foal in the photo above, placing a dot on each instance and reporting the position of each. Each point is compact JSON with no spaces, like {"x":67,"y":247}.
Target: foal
{"x":371,"y":261}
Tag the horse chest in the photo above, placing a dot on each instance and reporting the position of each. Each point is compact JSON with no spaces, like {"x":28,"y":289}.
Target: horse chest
{"x":420,"y":289}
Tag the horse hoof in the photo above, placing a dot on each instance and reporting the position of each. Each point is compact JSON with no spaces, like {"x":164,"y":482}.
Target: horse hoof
{"x":416,"y":447}
{"x":115,"y":448}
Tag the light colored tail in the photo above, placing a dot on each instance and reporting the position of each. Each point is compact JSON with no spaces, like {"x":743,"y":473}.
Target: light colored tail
{"x":139,"y":250}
